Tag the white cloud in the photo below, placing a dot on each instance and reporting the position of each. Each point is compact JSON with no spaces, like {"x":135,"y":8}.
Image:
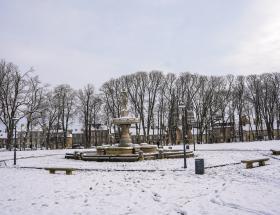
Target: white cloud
{"x":82,"y":42}
{"x":259,"y":51}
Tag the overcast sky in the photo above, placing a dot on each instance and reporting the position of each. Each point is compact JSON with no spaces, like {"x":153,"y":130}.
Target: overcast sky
{"x":80,"y":42}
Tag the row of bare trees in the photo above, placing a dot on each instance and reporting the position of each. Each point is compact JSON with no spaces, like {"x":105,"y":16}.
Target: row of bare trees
{"x":25,"y":100}
{"x":213,"y":100}
{"x":154,"y":97}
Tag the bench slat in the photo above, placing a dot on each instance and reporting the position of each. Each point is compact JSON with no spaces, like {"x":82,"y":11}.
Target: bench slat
{"x":275,"y":152}
{"x":52,"y":170}
{"x":59,"y":168}
{"x":255,"y":160}
{"x":249,"y":163}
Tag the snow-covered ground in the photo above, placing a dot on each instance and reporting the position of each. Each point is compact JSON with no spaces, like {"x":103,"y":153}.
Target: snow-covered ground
{"x":128,"y":188}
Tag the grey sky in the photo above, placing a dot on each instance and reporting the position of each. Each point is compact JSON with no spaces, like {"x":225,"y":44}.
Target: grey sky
{"x":80,"y":42}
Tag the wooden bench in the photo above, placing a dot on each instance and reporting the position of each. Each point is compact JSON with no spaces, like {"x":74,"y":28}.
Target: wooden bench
{"x":275,"y":152}
{"x":52,"y":170}
{"x":249,"y":163}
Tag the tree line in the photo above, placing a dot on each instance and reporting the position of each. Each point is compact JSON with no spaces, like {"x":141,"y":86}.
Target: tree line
{"x":154,"y":97}
{"x":208,"y":101}
{"x":24,"y":98}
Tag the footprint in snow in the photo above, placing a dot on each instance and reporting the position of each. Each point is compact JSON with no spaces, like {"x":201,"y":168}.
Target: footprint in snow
{"x":156,"y":197}
{"x":181,"y":212}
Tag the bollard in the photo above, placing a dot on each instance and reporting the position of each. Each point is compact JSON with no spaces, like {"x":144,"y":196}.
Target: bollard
{"x":160,"y":154}
{"x":199,"y":166}
{"x":141,"y":155}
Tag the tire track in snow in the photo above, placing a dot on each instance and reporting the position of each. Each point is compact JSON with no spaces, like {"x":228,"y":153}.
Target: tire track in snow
{"x":218,"y":201}
{"x":238,"y":207}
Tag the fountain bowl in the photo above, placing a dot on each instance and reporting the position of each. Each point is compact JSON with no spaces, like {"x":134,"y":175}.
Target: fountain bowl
{"x":125,"y":120}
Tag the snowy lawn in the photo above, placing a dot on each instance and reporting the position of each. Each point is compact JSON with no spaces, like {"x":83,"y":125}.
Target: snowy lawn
{"x":105,"y":188}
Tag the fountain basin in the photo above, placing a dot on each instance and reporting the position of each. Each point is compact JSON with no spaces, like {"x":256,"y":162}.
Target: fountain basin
{"x":136,"y":156}
{"x":114,"y":150}
{"x":146,"y":148}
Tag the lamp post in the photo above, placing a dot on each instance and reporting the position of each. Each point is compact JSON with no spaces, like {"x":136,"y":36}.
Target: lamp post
{"x":137,"y":133}
{"x":15,"y":142}
{"x":20,"y":141}
{"x":182,"y":107}
{"x":193,"y":124}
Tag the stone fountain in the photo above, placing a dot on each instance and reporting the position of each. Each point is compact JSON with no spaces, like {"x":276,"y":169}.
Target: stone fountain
{"x":125,"y":145}
{"x":125,"y":150}
{"x":125,"y":122}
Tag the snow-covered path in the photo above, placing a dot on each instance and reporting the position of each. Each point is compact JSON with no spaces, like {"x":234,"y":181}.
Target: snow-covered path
{"x":230,"y":189}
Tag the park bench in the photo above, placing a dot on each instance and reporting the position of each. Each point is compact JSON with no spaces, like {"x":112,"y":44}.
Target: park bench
{"x":249,"y":163}
{"x":52,"y":170}
{"x":275,"y":152}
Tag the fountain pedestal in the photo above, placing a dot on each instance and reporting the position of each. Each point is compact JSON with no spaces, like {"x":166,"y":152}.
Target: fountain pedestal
{"x":125,"y":139}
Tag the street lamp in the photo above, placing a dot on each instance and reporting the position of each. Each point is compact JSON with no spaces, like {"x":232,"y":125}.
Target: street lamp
{"x":137,"y":133}
{"x":182,"y":107}
{"x":192,"y":123}
{"x":15,"y":120}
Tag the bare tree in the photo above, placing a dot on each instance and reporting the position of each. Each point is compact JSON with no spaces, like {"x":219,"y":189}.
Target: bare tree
{"x":172,"y":101}
{"x":268,"y":101}
{"x":254,"y":95}
{"x":239,"y":102}
{"x":89,"y":109}
{"x":111,"y":99}
{"x":13,"y":97}
{"x":136,"y":86}
{"x":65,"y":98}
{"x":155,"y":79}
{"x":33,"y":106}
{"x":48,"y":117}
{"x":85,"y":106}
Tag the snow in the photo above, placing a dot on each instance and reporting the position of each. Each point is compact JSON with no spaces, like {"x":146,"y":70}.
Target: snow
{"x":129,"y":188}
